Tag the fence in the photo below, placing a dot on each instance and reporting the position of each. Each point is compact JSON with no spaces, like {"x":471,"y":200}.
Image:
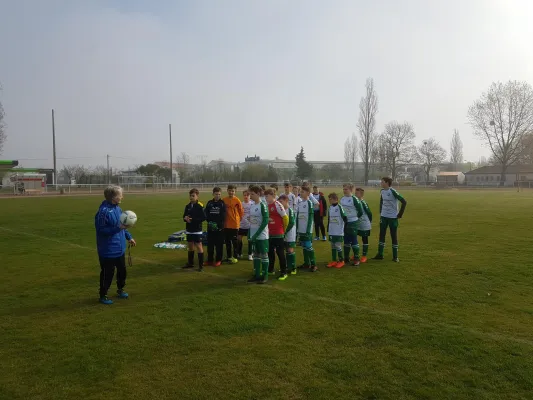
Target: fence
{"x":208,"y":186}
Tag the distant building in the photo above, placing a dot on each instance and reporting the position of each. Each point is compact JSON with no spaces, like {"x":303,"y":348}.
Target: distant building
{"x":450,"y":178}
{"x":491,"y":174}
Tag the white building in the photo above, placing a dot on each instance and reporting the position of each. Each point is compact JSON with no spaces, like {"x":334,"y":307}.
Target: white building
{"x":491,"y":174}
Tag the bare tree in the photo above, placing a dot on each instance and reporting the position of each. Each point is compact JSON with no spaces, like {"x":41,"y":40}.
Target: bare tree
{"x":396,"y":146}
{"x":430,"y":154}
{"x":501,"y":117}
{"x":183,"y":161}
{"x":74,"y":172}
{"x":526,"y":157}
{"x":350,"y":155}
{"x":368,"y":108}
{"x":456,"y":150}
{"x":3,"y":135}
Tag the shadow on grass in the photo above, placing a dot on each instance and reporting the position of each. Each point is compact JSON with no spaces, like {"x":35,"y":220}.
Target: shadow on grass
{"x":67,"y":302}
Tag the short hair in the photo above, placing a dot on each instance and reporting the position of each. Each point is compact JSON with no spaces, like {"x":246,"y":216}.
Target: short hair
{"x":250,"y":186}
{"x":230,"y":187}
{"x":195,"y":191}
{"x":111,"y":192}
{"x":287,"y":184}
{"x":255,"y":189}
{"x":388,"y":180}
{"x":348,"y":185}
{"x":315,"y":187}
{"x":333,"y":196}
{"x":274,"y":186}
{"x":216,"y":189}
{"x":360,"y":190}
{"x":306,"y":189}
{"x":283,"y":197}
{"x":262,"y":187}
{"x":245,"y":192}
{"x":269,"y":192}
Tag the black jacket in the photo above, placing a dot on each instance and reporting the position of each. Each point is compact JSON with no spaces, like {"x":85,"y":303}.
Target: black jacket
{"x":196,"y":212}
{"x":215,"y":212}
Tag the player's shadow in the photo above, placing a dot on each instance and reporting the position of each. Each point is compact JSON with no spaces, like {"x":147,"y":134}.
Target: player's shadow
{"x":84,"y":290}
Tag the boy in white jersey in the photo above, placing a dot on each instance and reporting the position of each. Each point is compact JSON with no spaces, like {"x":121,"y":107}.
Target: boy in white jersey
{"x":290,"y":235}
{"x":290,"y":196}
{"x":353,"y":209}
{"x":258,"y":236}
{"x":365,"y":223}
{"x":336,"y":221}
{"x":297,"y":198}
{"x":262,"y":197}
{"x":320,"y":211}
{"x":245,"y":225}
{"x":304,"y":229}
{"x":388,"y":208}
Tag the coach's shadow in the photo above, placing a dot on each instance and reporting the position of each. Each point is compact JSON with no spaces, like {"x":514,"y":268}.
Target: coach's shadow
{"x":205,"y":282}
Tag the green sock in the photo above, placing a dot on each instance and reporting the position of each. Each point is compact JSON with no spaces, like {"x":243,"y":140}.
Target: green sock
{"x":306,"y":257}
{"x":381,"y":248}
{"x":394,"y":251}
{"x":365,"y":249}
{"x":257,"y":267}
{"x":340,"y":255}
{"x":312,"y":257}
{"x":347,"y":252}
{"x":334,"y":254}
{"x":291,"y":261}
{"x":355,"y":248}
{"x":264,"y":264}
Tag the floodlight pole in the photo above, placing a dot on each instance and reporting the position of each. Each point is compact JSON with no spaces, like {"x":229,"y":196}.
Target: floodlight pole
{"x":170,"y":136}
{"x":54,"y":147}
{"x":108,"y":171}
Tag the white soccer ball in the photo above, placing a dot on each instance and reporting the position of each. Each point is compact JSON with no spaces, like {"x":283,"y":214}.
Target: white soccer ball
{"x":128,"y":218}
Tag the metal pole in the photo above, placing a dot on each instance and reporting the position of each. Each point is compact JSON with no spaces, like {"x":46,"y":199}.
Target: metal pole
{"x":108,"y":172}
{"x":170,"y":136}
{"x":54,"y":147}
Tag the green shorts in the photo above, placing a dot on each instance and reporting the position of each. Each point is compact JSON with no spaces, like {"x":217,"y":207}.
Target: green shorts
{"x":260,"y":247}
{"x":336,"y":239}
{"x":290,"y":245}
{"x":305,"y":237}
{"x":363,"y":233}
{"x":385,"y":222}
{"x":350,"y":229}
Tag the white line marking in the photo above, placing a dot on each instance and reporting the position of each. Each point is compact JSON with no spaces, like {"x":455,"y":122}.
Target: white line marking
{"x":420,"y":321}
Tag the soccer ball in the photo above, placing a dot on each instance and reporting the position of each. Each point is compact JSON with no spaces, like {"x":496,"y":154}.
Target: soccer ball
{"x":128,"y":218}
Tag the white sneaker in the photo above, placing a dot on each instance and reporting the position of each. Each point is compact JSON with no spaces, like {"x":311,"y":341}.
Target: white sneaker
{"x":250,"y":258}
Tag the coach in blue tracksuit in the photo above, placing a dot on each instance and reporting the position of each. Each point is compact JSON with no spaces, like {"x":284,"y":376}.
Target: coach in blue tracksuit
{"x":111,"y":237}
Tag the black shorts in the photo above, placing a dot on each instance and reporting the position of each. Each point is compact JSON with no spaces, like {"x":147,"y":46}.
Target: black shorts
{"x":243,"y":232}
{"x":194,"y":238}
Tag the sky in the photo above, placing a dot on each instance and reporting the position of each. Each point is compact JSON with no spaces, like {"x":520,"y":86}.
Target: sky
{"x":246,"y":77}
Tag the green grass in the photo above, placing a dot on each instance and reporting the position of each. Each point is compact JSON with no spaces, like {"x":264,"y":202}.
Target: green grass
{"x":453,"y":320}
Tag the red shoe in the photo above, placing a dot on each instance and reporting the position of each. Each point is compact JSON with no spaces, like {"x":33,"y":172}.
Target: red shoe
{"x":332,"y":264}
{"x":364,"y":259}
{"x":340,"y":264}
{"x":208,"y":264}
{"x":218,"y":263}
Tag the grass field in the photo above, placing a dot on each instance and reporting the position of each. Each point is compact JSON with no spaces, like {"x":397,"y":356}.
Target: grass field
{"x":452,"y":320}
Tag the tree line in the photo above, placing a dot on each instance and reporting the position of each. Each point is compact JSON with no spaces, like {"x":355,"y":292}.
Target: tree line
{"x":502,"y":118}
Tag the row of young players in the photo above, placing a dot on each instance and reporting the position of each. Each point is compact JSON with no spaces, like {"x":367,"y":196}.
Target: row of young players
{"x":273,"y":224}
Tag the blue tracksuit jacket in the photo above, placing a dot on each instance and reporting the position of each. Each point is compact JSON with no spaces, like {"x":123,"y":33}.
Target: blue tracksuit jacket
{"x":110,"y":239}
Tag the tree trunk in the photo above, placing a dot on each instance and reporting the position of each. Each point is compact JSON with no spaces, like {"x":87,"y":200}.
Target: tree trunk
{"x":502,"y":176}
{"x":367,"y":168}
